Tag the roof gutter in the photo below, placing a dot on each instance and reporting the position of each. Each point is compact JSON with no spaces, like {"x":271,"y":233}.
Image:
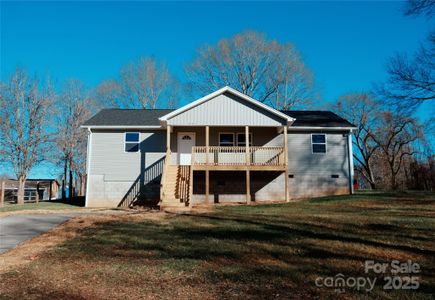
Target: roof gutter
{"x":154,"y":127}
{"x":302,"y":128}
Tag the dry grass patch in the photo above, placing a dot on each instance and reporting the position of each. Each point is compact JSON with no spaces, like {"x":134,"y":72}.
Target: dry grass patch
{"x":262,"y":251}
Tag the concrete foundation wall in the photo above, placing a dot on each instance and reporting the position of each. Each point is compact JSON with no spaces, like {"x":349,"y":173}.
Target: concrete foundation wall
{"x":106,"y":193}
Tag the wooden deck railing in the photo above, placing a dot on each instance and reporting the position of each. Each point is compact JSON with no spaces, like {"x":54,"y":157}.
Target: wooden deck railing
{"x":236,"y":156}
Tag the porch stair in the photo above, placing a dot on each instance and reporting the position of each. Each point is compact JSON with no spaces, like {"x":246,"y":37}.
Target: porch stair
{"x":176,"y":187}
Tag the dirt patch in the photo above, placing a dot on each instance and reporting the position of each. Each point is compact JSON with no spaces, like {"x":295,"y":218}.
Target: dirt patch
{"x":33,"y":248}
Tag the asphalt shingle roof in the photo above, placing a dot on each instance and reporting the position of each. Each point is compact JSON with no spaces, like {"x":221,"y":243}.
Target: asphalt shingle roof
{"x":128,"y":117}
{"x":150,"y":117}
{"x":317,"y":118}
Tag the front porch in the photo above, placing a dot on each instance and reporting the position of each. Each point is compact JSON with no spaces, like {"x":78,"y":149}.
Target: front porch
{"x":193,"y":153}
{"x":225,"y":131}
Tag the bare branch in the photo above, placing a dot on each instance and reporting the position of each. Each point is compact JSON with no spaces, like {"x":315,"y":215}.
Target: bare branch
{"x":266,"y":70}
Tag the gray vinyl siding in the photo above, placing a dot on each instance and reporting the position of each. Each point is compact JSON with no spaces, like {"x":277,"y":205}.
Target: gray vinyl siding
{"x":227,"y":110}
{"x":302,"y":160}
{"x":109,"y":158}
{"x":113,"y":172}
{"x":312,"y":171}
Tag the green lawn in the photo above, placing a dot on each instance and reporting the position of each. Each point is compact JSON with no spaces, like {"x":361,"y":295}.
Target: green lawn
{"x":265,"y":252}
{"x":35,"y":206}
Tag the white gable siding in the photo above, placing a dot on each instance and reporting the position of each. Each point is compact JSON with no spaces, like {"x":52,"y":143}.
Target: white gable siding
{"x":226,"y":110}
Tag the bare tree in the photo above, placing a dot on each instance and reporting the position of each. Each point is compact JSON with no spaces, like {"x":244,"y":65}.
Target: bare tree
{"x":395,"y":137}
{"x":362,"y":110}
{"x":411,"y":81}
{"x":72,"y":110}
{"x":146,"y":83}
{"x":293,"y":82}
{"x":263,"y":69}
{"x":108,"y":94}
{"x":24,"y":136}
{"x":420,"y":7}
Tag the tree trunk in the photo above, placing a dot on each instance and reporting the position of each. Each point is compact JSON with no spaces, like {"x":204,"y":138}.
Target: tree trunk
{"x":20,"y":194}
{"x":2,"y":194}
{"x":37,"y":193}
{"x":70,"y":185}
{"x":393,"y":181}
{"x":368,"y":176}
{"x":371,"y":176}
{"x":83,"y":185}
{"x":64,"y":179}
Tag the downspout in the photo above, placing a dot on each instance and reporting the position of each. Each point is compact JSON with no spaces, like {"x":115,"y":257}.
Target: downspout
{"x":88,"y":165}
{"x":350,"y":161}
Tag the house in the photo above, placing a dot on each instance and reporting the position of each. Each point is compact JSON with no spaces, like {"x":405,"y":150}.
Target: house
{"x":224,"y":147}
{"x":34,"y":189}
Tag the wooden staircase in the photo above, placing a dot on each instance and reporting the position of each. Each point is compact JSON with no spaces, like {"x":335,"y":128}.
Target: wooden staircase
{"x":176,"y":187}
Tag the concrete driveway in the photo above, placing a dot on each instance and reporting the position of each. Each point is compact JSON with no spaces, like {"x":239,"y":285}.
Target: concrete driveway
{"x":16,"y":229}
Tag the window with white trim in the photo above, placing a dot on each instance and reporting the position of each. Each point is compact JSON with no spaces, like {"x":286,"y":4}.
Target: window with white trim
{"x":241,"y":137}
{"x":226,"y":139}
{"x":131,"y":142}
{"x":318,"y":143}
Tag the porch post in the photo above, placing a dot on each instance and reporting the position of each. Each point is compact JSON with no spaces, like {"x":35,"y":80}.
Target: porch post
{"x":248,"y":162}
{"x":286,"y":163}
{"x":248,"y":157}
{"x":168,"y":139}
{"x":207,"y":172}
{"x":191,"y":187}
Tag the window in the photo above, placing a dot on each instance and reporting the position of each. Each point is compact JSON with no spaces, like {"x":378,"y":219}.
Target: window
{"x":241,"y":139}
{"x":131,"y":142}
{"x":318,"y":142}
{"x":226,"y":139}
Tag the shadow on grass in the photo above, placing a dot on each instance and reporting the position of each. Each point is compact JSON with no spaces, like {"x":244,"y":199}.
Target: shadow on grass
{"x":192,"y":236}
{"x":247,"y":246}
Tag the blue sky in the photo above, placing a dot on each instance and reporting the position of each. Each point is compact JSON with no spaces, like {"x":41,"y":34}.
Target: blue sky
{"x":346,"y":44}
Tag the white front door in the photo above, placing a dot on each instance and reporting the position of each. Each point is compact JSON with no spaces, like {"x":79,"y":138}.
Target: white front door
{"x":186,"y":140}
